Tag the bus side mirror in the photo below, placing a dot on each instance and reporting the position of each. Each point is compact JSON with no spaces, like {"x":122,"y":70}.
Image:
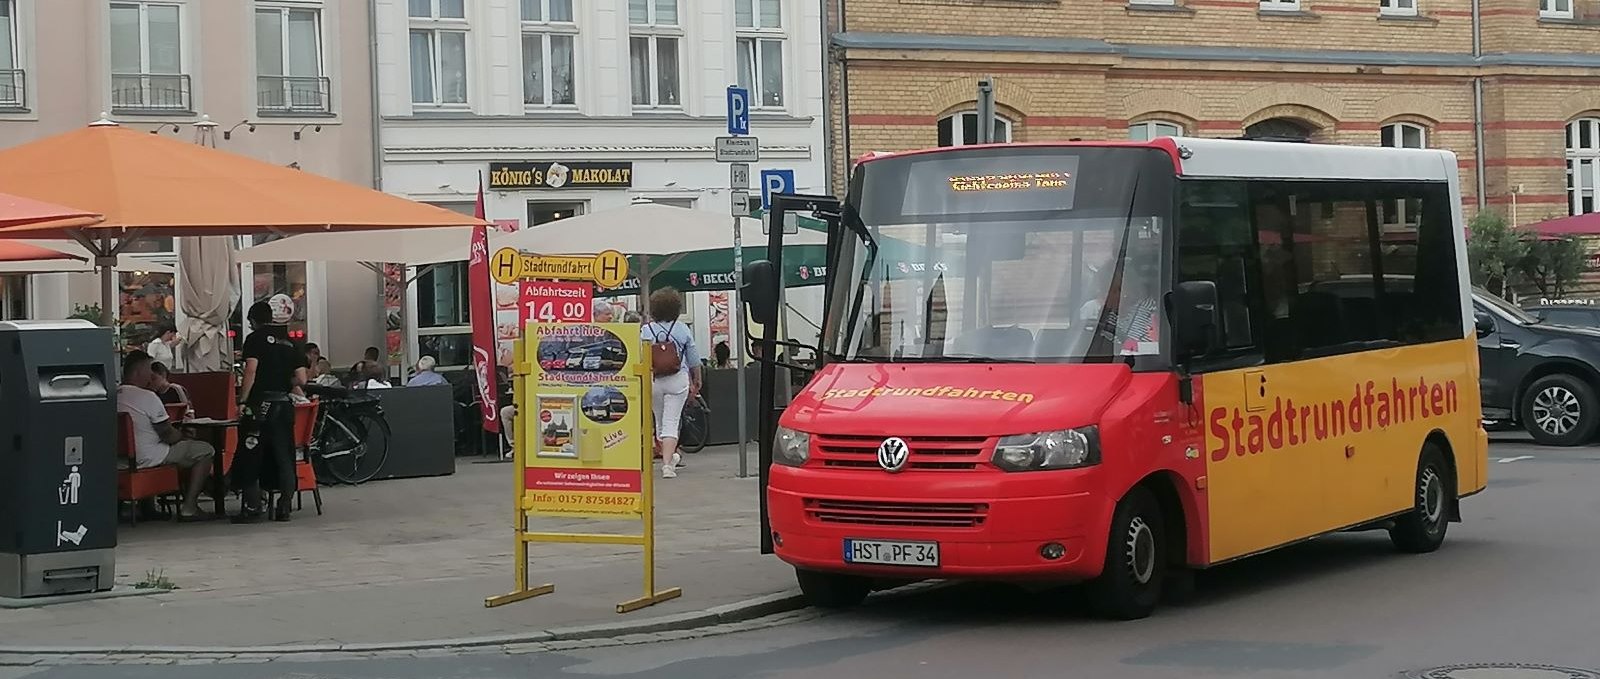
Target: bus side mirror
{"x":1192,"y":312}
{"x":760,"y":292}
{"x":1484,"y":322}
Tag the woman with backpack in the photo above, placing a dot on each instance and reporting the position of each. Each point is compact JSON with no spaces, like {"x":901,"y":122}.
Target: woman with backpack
{"x":676,"y":366}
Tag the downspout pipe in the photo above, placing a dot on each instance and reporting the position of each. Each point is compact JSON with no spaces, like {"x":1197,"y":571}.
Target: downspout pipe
{"x":844,"y":97}
{"x":377,"y":115}
{"x":827,"y":102}
{"x":1477,"y":106}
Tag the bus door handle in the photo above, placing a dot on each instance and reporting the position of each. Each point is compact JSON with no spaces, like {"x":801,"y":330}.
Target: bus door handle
{"x":1510,"y":345}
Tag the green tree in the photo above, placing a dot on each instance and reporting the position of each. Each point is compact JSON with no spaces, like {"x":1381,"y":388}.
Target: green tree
{"x":1552,"y":265}
{"x":1495,"y":252}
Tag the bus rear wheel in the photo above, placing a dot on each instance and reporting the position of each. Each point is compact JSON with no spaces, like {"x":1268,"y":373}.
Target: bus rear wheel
{"x":1129,"y":586}
{"x":832,"y":590}
{"x":1422,"y":529}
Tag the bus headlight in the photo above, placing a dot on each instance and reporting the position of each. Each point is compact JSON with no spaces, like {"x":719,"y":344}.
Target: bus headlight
{"x":1063,"y":449}
{"x":790,"y":447}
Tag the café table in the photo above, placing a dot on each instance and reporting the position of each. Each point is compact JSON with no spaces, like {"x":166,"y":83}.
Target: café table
{"x":213,"y":430}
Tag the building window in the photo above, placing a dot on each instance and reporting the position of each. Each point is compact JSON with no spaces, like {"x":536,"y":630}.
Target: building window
{"x":438,"y":52}
{"x":549,"y":53}
{"x":1583,"y":164}
{"x":289,"y":68}
{"x":1400,"y":8}
{"x":13,"y":297}
{"x":961,"y":129}
{"x":1150,"y":129}
{"x":759,"y":24}
{"x":653,"y":52}
{"x":13,"y":81}
{"x":1401,"y":215}
{"x":147,"y":58}
{"x":1279,"y":129}
{"x":540,"y":212}
{"x":1280,"y":5}
{"x":1166,"y":3}
{"x":1555,"y":9}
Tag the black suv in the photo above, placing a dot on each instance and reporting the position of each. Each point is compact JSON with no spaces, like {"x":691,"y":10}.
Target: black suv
{"x":1541,"y":375}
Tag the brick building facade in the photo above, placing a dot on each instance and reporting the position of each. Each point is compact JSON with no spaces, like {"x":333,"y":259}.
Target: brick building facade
{"x":1511,"y":86}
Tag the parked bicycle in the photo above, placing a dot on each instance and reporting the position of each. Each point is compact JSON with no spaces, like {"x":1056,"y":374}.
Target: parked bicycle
{"x":350,"y":440}
{"x":694,"y":428}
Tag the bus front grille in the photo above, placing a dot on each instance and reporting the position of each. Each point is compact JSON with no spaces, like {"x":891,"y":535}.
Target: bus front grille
{"x":900,"y":513}
{"x":928,"y":453}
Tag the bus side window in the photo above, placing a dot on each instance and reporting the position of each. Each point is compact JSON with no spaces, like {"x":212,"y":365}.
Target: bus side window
{"x":1214,"y":244}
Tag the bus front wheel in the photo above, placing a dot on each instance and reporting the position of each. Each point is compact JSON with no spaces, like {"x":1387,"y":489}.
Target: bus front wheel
{"x":832,"y":590}
{"x":1129,"y":587}
{"x":1422,"y":529}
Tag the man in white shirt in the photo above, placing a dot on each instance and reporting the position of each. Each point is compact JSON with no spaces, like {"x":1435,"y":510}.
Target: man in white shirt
{"x":156,"y":441}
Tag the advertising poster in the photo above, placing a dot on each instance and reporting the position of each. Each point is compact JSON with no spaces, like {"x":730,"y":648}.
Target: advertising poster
{"x":718,"y":326}
{"x":588,"y":422}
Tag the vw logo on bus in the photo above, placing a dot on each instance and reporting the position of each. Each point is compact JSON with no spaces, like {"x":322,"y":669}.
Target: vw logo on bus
{"x":892,"y":454}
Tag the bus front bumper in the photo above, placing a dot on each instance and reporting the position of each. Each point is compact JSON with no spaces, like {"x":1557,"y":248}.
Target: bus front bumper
{"x":1029,"y":526}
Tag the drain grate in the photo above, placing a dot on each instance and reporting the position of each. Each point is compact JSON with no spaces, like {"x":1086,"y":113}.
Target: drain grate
{"x":1503,"y":671}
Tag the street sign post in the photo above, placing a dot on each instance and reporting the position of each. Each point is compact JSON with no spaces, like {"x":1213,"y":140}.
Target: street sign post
{"x":775,"y":181}
{"x":738,"y":149}
{"x":738,"y":110}
{"x":739,"y":176}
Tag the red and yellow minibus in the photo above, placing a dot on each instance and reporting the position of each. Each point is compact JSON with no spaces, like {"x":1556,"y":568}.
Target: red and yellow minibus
{"x":1118,"y":362}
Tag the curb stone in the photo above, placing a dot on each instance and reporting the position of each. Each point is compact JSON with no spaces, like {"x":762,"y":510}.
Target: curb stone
{"x":749,"y":609}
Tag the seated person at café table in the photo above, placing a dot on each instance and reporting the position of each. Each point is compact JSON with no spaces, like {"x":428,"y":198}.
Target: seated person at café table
{"x":425,"y":376}
{"x":156,"y":440}
{"x":171,"y":394}
{"x":322,"y":374}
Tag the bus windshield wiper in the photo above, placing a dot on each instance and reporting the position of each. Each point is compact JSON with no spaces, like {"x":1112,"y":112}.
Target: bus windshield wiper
{"x":969,"y":358}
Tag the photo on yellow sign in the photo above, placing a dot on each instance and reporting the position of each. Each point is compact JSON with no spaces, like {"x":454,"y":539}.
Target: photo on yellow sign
{"x":591,"y":449}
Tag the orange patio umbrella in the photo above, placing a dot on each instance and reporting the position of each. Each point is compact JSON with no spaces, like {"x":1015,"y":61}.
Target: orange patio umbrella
{"x":12,"y":251}
{"x":149,"y":186}
{"x":19,"y":211}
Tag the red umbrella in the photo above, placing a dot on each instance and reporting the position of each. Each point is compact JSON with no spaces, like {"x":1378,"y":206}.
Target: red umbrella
{"x":1576,"y":225}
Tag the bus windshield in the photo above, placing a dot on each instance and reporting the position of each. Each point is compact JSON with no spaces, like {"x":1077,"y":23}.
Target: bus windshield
{"x":1005,"y":254}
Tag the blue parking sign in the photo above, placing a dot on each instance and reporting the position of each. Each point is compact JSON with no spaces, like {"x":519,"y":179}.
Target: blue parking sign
{"x":775,"y":181}
{"x":738,"y":110}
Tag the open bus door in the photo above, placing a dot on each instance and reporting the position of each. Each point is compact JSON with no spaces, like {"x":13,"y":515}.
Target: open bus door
{"x":762,"y":294}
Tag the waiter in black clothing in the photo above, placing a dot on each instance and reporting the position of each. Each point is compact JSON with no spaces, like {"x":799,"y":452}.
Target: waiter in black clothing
{"x":273,"y":369}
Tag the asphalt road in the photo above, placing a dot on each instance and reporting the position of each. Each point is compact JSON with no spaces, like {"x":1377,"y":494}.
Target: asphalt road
{"x":1515,"y":583}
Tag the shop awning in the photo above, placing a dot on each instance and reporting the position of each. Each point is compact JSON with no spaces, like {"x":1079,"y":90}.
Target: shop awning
{"x":1576,"y":225}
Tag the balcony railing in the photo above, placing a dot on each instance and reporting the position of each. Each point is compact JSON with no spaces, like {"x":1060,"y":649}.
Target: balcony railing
{"x":151,"y":93}
{"x":13,"y":88}
{"x":293,"y":95}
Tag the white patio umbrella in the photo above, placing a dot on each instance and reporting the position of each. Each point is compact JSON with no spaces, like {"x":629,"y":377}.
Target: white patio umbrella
{"x":210,"y":284}
{"x":417,"y":247}
{"x":125,"y":263}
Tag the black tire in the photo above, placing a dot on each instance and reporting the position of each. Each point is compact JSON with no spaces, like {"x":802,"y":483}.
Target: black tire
{"x":833,"y":590}
{"x":692,"y":429}
{"x":1129,"y":587}
{"x":365,"y":460}
{"x":1560,"y":410}
{"x":1422,"y":529}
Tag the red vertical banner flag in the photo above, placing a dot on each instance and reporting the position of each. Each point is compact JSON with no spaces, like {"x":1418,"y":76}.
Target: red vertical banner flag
{"x":481,"y":297}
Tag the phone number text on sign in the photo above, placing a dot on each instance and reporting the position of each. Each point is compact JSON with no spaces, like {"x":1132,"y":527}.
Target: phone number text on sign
{"x":555,"y":302}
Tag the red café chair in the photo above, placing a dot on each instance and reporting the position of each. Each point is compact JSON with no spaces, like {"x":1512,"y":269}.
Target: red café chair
{"x":135,"y":484}
{"x":305,"y":419}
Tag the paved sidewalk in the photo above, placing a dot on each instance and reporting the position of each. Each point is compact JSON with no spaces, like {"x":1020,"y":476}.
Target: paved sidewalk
{"x":412,"y":560}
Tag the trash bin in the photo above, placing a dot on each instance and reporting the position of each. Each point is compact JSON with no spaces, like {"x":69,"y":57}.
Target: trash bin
{"x":58,"y":468}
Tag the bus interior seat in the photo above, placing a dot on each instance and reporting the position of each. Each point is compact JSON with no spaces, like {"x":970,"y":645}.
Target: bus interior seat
{"x":1318,"y":319}
{"x":1054,"y":342}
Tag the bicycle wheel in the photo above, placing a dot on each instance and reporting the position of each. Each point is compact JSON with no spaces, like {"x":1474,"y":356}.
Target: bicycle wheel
{"x":692,"y":429}
{"x":363,"y":461}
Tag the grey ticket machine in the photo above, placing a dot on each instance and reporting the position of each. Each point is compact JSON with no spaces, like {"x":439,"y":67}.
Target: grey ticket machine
{"x":58,"y":465}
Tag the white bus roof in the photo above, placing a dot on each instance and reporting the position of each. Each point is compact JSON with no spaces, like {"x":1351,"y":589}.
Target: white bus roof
{"x":1239,"y":159}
